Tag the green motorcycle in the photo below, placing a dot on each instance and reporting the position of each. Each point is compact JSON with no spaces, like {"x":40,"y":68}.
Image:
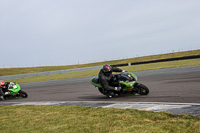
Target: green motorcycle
{"x":127,"y":81}
{"x":15,"y":91}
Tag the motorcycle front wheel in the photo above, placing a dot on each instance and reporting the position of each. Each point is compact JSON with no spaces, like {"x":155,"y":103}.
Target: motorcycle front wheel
{"x":23,"y":94}
{"x":142,"y":89}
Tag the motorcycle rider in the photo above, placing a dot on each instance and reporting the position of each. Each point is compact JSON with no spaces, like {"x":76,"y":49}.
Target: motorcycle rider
{"x":1,"y":90}
{"x":106,"y":78}
{"x":4,"y":88}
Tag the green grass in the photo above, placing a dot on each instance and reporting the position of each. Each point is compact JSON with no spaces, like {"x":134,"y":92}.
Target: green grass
{"x":142,"y":67}
{"x":75,"y":119}
{"x":15,"y":71}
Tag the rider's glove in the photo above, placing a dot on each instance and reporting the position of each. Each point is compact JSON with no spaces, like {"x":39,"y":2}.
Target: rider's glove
{"x":118,"y":88}
{"x":123,"y":71}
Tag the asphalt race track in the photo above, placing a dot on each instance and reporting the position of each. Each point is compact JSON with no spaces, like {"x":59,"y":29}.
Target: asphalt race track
{"x":175,"y":85}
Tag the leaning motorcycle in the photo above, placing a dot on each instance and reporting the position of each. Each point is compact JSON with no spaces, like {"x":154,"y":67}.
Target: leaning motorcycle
{"x":15,"y":91}
{"x":128,"y":82}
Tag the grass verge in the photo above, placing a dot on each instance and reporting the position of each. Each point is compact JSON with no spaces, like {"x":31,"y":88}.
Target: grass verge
{"x":15,"y":71}
{"x":142,"y":67}
{"x":95,"y":120}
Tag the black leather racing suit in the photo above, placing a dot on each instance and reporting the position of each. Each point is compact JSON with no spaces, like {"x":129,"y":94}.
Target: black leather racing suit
{"x":1,"y":91}
{"x":106,"y":79}
{"x":4,"y":88}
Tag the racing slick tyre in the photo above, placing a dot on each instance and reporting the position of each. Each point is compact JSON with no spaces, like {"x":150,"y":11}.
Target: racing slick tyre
{"x":143,"y":90}
{"x":109,"y":94}
{"x":23,"y":94}
{"x":101,"y":90}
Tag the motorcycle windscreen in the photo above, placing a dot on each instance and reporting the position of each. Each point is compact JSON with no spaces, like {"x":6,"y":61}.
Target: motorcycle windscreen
{"x":126,"y":77}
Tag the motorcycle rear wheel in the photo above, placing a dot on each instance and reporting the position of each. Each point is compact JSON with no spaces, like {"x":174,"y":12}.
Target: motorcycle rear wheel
{"x":109,"y":94}
{"x":101,"y":90}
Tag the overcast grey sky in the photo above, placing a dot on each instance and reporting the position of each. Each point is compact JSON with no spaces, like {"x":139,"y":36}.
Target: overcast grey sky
{"x":64,"y":32}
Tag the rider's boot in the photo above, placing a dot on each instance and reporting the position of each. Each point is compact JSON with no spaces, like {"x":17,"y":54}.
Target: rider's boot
{"x":7,"y":93}
{"x":110,"y":94}
{"x":2,"y":98}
